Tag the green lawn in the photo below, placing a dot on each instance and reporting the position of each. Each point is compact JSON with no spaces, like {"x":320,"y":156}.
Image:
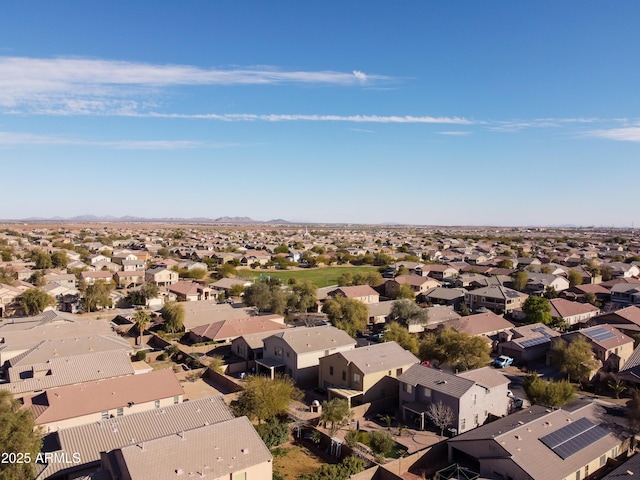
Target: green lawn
{"x":320,"y":277}
{"x":397,"y":451}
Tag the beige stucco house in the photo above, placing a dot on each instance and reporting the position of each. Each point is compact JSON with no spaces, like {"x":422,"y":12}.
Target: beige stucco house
{"x":366,"y":374}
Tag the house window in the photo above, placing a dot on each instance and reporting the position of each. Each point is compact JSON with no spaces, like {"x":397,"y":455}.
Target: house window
{"x":407,"y":388}
{"x":331,"y":371}
{"x":104,"y":415}
{"x":426,"y":392}
{"x":586,"y":470}
{"x":603,"y":460}
{"x":614,"y":452}
{"x":344,"y":376}
{"x":356,"y":378}
{"x":120,"y":412}
{"x":398,"y":371}
{"x":578,"y":475}
{"x":278,"y":352}
{"x":475,"y":419}
{"x":157,"y":403}
{"x":475,"y":398}
{"x":463,"y":423}
{"x":240,"y":476}
{"x":176,"y":400}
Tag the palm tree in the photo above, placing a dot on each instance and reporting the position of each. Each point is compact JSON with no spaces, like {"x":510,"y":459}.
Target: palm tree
{"x":141,"y":319}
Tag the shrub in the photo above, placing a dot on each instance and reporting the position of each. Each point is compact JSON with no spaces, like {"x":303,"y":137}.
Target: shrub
{"x":141,"y":355}
{"x":273,"y":433}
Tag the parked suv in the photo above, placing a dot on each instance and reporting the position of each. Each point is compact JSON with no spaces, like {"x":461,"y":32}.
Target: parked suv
{"x":502,"y":361}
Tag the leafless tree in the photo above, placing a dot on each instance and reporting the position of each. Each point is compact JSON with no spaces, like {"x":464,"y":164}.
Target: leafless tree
{"x":441,"y":415}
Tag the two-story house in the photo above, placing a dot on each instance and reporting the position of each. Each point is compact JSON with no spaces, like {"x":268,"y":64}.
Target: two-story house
{"x":472,"y":396}
{"x":297,"y":351}
{"x":366,"y":374}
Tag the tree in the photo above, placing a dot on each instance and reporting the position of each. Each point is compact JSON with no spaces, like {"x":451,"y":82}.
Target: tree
{"x":505,"y":263}
{"x":258,"y":295}
{"x":342,"y":471}
{"x":617,"y":386}
{"x":406,"y":313}
{"x":141,"y":319}
{"x":273,"y":432}
{"x":520,"y":280}
{"x":545,"y":269}
{"x":141,"y":296}
{"x":97,"y":295}
{"x":460,"y":350}
{"x":173,"y":315}
{"x":347,"y":314}
{"x":17,"y":436}
{"x":399,"y":334}
{"x":381,"y":442}
{"x":282,"y":248}
{"x":59,"y":259}
{"x":336,"y":412}
{"x":574,"y":358}
{"x":404,"y":291}
{"x":227,"y":270}
{"x":550,"y":293}
{"x":591,"y":298}
{"x":41,"y":259}
{"x":35,"y":300}
{"x":550,"y":393}
{"x":537,"y":310}
{"x":574,"y":278}
{"x":263,"y":398}
{"x":303,"y":297}
{"x":441,"y":415}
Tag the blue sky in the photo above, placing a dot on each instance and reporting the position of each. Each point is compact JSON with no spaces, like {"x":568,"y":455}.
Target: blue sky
{"x":436,"y":113}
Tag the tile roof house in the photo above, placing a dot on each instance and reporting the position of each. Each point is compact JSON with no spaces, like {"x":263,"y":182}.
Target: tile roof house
{"x":485,"y":324}
{"x":225,"y":450}
{"x":162,"y":277}
{"x":572,"y":312}
{"x":188,"y":291}
{"x":363,"y":293}
{"x":60,"y":371}
{"x":444,"y":296}
{"x":366,"y":374}
{"x":626,"y":294}
{"x":540,"y":443}
{"x":87,"y":402}
{"x":626,"y":319}
{"x":297,"y":351}
{"x":378,"y":312}
{"x":417,"y":284}
{"x":609,"y":345}
{"x":114,"y":433}
{"x":15,"y":342}
{"x":228,"y":330}
{"x":205,"y":312}
{"x":473,"y":396}
{"x":526,"y":343}
{"x":497,"y":298}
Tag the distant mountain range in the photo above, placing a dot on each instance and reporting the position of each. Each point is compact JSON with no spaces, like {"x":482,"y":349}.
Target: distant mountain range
{"x":132,"y":219}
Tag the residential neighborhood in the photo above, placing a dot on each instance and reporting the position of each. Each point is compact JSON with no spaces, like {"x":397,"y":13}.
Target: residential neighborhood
{"x":123,"y":343}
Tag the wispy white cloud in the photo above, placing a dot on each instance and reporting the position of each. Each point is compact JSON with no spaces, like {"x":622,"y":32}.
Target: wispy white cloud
{"x":361,"y":130}
{"x":77,"y":85}
{"x":12,"y":139}
{"x":248,"y":117}
{"x":625,"y":134}
{"x":516,"y":125}
{"x":455,"y":133}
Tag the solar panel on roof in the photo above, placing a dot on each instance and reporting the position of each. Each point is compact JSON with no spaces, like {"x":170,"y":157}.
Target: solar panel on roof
{"x":541,"y":330}
{"x":574,"y":437}
{"x":599,"y":334}
{"x":532,"y":342}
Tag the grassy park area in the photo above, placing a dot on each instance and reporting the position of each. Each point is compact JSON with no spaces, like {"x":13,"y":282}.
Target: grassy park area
{"x":320,"y":277}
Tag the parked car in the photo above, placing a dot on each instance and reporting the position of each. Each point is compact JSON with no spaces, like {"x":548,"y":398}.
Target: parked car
{"x":502,"y":361}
